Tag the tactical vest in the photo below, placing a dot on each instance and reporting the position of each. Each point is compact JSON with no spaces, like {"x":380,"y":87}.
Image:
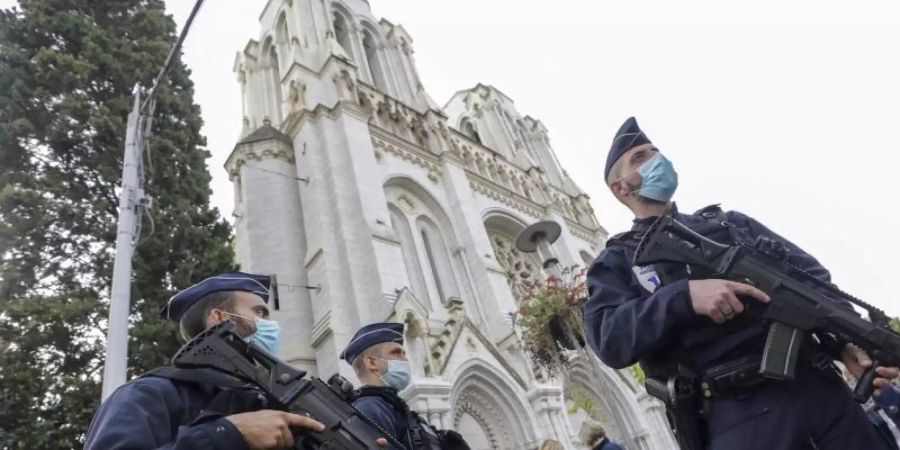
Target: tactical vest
{"x":717,"y":228}
{"x":229,"y":395}
{"x":421,"y":435}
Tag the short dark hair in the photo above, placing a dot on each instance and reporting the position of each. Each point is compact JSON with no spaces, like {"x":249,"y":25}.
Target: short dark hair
{"x":194,"y":319}
{"x":359,"y":364}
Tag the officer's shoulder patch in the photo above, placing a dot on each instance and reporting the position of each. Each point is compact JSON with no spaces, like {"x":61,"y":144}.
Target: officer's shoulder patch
{"x":647,"y":277}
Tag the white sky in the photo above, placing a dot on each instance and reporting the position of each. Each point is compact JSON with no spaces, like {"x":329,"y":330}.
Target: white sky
{"x":788,"y":111}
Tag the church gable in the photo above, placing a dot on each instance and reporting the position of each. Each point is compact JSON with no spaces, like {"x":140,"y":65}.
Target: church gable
{"x":470,"y":344}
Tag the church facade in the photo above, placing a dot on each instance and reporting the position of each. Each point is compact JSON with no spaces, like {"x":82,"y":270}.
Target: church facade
{"x":370,"y":202}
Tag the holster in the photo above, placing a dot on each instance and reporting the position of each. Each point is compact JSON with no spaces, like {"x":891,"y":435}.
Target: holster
{"x":684,"y":409}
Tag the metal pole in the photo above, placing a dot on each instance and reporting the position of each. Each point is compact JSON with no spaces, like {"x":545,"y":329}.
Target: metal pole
{"x":549,"y":261}
{"x":114,"y":370}
{"x":170,"y":57}
{"x":131,"y":198}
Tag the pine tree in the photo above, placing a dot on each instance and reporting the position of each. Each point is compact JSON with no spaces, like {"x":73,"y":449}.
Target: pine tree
{"x":68,"y":68}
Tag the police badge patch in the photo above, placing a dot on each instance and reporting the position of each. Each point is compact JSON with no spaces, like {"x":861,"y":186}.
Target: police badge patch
{"x":647,"y":277}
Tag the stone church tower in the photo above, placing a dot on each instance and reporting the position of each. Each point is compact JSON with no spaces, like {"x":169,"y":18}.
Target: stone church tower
{"x":372,"y":203}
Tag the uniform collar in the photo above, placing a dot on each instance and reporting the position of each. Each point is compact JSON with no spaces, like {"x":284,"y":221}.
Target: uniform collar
{"x":387,"y":394}
{"x":640,"y":224}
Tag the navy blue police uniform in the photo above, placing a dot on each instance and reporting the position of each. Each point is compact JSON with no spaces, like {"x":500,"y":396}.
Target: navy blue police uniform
{"x":383,"y":406}
{"x":645,"y":314}
{"x":607,"y":444}
{"x":889,"y":401}
{"x":170,"y":408}
{"x":379,"y":404}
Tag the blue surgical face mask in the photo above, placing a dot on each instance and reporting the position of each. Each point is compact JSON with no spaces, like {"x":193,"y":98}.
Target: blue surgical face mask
{"x":398,"y":374}
{"x":658,"y":179}
{"x":267,"y":335}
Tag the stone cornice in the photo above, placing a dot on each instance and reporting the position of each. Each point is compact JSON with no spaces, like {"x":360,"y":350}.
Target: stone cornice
{"x":295,"y":120}
{"x":258,"y":151}
{"x":491,"y":190}
{"x":404,"y":151}
{"x":582,"y":232}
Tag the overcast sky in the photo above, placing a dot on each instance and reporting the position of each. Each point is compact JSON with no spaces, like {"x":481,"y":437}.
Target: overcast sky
{"x":786,"y":110}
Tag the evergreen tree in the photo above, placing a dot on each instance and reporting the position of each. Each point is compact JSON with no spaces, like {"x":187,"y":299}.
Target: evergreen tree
{"x":67,"y":69}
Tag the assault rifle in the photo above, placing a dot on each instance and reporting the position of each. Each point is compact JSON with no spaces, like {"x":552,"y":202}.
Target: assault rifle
{"x":800,"y":304}
{"x":285,"y":388}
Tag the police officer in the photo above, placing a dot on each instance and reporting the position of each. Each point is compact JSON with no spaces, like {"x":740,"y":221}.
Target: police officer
{"x":673,"y":320}
{"x":168,"y":408}
{"x":594,"y":436}
{"x":377,"y":355}
{"x":889,"y":401}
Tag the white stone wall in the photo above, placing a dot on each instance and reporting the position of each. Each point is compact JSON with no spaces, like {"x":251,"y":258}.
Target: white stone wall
{"x":353,"y":120}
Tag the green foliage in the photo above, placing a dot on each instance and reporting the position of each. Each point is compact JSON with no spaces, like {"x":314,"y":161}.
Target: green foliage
{"x":895,"y":324}
{"x":557,"y":302}
{"x":585,"y":404}
{"x":638,"y":373}
{"x":68,"y":70}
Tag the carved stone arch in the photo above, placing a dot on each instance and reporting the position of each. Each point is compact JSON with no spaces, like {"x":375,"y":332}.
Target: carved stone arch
{"x":468,"y":128}
{"x":439,"y":265}
{"x":403,"y":230}
{"x":615,"y":398}
{"x":522,"y":269}
{"x":271,"y":68}
{"x":430,"y":202}
{"x":283,"y":37}
{"x":416,"y":340}
{"x":344,"y":25}
{"x":493,"y":402}
{"x":338,"y":6}
{"x":372,"y":47}
{"x":438,"y":258}
{"x":366,"y":25}
{"x":268,"y":40}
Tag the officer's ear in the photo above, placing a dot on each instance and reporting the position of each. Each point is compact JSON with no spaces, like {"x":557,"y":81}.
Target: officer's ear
{"x":619,"y":188}
{"x":371,"y":362}
{"x":215,"y":317}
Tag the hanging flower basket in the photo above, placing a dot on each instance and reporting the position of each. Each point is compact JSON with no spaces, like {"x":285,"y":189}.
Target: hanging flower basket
{"x":551,"y":322}
{"x":564,"y":331}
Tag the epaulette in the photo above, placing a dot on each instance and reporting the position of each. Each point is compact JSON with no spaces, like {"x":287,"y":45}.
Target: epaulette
{"x":629,"y":239}
{"x":713,"y":211}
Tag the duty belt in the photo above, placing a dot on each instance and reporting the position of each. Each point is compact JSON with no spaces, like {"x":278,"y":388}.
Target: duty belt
{"x":731,"y":377}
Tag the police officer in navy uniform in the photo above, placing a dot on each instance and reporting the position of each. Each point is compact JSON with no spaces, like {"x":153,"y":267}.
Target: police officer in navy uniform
{"x":377,"y":355}
{"x":169,"y":408}
{"x":889,"y":401}
{"x":594,"y":436}
{"x":674,"y":320}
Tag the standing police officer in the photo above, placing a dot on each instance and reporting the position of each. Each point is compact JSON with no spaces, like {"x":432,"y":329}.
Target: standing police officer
{"x":168,"y":408}
{"x":377,"y":355}
{"x":675,"y":321}
{"x":594,"y":436}
{"x":889,"y":400}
